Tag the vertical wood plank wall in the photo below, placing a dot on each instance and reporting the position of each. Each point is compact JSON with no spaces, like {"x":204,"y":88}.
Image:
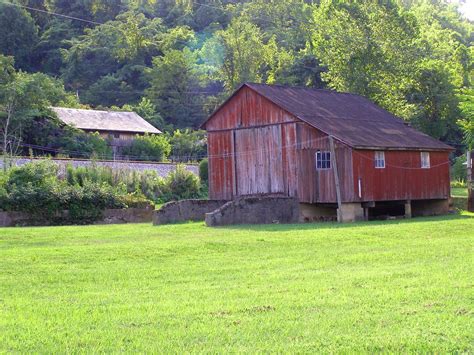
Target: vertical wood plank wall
{"x":402,"y":178}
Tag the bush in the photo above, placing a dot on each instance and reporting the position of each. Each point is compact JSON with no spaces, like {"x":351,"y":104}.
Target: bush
{"x":146,"y":183}
{"x":182,"y":184}
{"x":204,"y":170}
{"x":149,"y":148}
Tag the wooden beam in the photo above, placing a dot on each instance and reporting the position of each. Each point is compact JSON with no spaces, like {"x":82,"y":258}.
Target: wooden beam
{"x":336,"y":176}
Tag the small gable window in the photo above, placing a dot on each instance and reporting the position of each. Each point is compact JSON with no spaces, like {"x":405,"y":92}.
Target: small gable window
{"x":323,"y":160}
{"x":425,"y":160}
{"x":380,"y":160}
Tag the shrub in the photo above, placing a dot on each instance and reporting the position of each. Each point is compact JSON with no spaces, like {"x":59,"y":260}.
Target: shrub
{"x":149,"y":147}
{"x":204,"y":170}
{"x":147,"y":183}
{"x":37,"y":174}
{"x":182,"y":184}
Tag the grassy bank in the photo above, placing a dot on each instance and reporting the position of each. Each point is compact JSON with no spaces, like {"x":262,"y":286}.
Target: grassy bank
{"x":391,"y":286}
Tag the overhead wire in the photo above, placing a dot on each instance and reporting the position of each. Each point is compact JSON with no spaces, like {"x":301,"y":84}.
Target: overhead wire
{"x":51,"y":13}
{"x":308,"y":144}
{"x":100,"y":23}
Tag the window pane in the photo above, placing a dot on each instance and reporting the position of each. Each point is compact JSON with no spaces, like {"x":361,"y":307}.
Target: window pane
{"x":323,"y":160}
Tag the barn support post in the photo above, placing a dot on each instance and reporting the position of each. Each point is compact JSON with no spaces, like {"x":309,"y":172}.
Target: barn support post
{"x":408,"y":213}
{"x":470,"y":195}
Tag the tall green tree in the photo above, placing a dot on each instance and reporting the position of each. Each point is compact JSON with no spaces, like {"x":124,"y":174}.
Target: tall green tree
{"x":18,"y":34}
{"x":175,"y":88}
{"x":239,"y":52}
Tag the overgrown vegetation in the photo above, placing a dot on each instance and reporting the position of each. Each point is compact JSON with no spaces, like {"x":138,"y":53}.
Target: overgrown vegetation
{"x":39,"y":189}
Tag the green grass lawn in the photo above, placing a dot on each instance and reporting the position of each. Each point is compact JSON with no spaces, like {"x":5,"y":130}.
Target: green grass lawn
{"x":458,"y":191}
{"x":396,"y":286}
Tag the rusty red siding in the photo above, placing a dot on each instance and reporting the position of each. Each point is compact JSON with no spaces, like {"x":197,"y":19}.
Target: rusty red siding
{"x":221,"y":162}
{"x":402,"y":178}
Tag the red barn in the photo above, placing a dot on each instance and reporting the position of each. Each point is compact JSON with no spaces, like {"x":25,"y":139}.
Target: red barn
{"x":338,"y":153}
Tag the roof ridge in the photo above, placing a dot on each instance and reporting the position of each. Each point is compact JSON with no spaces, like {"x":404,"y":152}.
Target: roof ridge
{"x":91,"y":110}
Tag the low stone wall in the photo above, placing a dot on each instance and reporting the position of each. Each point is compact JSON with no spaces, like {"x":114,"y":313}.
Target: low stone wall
{"x":185,"y":210}
{"x":127,"y":215}
{"x":256,"y":210}
{"x":109,"y":216}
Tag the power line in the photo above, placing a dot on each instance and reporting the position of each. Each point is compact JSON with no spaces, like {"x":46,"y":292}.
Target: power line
{"x":52,"y":13}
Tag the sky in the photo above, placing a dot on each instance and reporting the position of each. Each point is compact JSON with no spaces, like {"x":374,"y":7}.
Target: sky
{"x":468,"y":9}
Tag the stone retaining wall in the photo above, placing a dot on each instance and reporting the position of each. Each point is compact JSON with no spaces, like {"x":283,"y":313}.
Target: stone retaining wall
{"x":109,"y":216}
{"x":185,"y":210}
{"x":256,"y":210}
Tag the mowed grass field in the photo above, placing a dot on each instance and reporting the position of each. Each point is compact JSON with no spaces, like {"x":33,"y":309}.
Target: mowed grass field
{"x":395,"y":286}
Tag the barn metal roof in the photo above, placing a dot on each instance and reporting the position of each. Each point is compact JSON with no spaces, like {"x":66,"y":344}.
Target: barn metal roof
{"x":94,"y":120}
{"x":350,"y":118}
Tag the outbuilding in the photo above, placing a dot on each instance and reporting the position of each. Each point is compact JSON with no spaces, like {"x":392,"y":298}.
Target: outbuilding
{"x":338,"y":153}
{"x":118,"y":127}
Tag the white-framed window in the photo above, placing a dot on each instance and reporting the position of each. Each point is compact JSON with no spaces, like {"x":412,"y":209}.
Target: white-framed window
{"x":380,"y":160}
{"x":323,"y":160}
{"x":425,"y":160}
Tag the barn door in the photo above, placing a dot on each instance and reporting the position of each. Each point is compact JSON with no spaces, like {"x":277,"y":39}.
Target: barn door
{"x":259,"y":167}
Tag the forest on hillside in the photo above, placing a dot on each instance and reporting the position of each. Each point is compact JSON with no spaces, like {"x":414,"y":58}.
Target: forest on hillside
{"x":174,"y":61}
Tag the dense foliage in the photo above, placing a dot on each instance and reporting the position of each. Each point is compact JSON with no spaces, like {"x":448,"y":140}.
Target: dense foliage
{"x":148,"y":147}
{"x":175,"y":61}
{"x":42,"y":191}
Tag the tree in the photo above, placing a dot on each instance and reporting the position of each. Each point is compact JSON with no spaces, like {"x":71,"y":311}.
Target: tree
{"x":55,"y":38}
{"x":175,"y":88}
{"x":239,"y":52}
{"x":18,"y":34}
{"x":22,"y":97}
{"x":409,"y":64}
{"x":466,"y":123}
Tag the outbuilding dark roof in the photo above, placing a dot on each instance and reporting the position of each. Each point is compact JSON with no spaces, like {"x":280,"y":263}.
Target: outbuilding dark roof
{"x":93,"y":120}
{"x":350,"y":118}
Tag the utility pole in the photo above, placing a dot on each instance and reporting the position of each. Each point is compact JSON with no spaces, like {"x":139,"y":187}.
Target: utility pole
{"x":336,"y":178}
{"x":470,"y":195}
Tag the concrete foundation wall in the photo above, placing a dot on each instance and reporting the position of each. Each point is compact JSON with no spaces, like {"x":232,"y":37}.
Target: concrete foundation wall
{"x":256,"y":210}
{"x":350,"y":212}
{"x":429,"y":207}
{"x":185,"y":210}
{"x":109,"y":216}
